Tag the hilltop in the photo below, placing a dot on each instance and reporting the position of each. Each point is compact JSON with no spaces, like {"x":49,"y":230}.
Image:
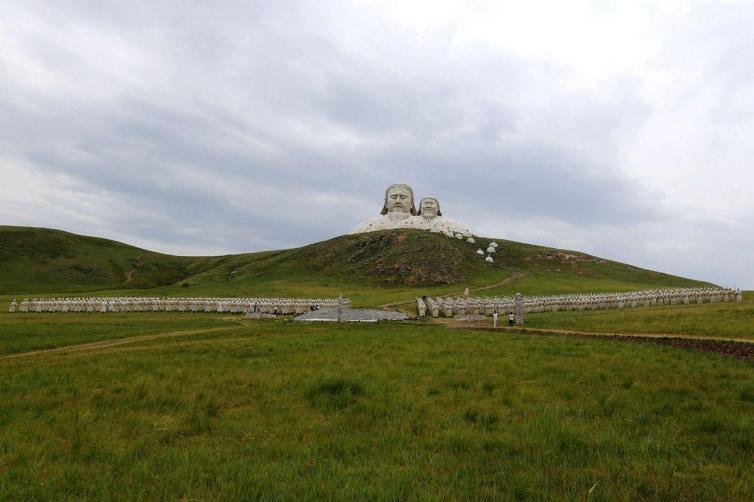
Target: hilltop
{"x":368,"y":267}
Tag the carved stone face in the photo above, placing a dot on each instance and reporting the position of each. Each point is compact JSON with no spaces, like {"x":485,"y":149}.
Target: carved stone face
{"x":399,"y":200}
{"x":429,"y":208}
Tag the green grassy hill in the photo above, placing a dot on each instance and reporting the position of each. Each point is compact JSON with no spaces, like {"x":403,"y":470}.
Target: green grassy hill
{"x":37,"y":260}
{"x":373,"y":268}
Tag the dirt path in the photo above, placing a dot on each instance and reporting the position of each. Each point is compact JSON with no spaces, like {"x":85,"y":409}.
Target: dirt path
{"x":508,"y":280}
{"x":113,"y":343}
{"x":740,"y":348}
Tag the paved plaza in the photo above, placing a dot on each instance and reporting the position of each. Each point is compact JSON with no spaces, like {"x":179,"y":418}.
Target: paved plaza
{"x":352,"y":315}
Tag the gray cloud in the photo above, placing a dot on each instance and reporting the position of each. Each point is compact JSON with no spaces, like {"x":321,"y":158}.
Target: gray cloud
{"x":192,"y":128}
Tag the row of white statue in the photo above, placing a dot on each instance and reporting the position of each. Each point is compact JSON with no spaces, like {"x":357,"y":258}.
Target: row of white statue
{"x":176,"y":304}
{"x":462,"y":306}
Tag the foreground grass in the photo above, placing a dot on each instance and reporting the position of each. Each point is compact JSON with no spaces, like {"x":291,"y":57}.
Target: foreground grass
{"x":280,"y":410}
{"x":728,"y":320}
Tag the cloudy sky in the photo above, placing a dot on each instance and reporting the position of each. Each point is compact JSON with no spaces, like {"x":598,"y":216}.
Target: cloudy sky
{"x":622,"y":129}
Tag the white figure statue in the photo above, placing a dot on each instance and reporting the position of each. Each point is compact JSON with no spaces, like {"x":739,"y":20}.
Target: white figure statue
{"x":430,"y":218}
{"x":398,"y":206}
{"x":429,"y":212}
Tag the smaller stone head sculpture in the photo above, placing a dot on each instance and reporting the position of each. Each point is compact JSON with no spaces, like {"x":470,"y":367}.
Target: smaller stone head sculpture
{"x":399,"y":198}
{"x":429,"y":207}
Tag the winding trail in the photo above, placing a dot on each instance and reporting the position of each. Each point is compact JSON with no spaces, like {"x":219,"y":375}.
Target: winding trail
{"x":114,"y":343}
{"x":551,"y":331}
{"x":741,"y":348}
{"x":508,"y":280}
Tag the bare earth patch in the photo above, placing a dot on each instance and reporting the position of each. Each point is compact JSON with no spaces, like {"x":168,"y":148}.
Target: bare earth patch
{"x":738,"y":347}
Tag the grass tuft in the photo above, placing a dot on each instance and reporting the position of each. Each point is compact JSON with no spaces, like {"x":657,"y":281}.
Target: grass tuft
{"x":747,"y":394}
{"x":484,"y":420}
{"x":334,"y":393}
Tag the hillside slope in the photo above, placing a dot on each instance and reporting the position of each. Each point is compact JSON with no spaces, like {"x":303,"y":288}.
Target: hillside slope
{"x":381,"y":267}
{"x":43,"y":260}
{"x":368,"y":267}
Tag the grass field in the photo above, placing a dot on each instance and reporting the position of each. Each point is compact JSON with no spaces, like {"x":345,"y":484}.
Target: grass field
{"x":280,"y":410}
{"x":727,"y":320}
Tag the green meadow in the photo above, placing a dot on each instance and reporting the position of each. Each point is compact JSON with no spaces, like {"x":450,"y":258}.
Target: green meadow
{"x":725,"y":320}
{"x":278,"y":410}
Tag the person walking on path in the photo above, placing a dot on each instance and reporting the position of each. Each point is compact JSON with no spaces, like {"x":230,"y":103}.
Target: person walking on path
{"x":511,"y":319}
{"x":494,"y":319}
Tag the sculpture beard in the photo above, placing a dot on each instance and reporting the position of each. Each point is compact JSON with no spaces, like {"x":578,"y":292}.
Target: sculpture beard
{"x":397,"y":216}
{"x":429,"y":209}
{"x":427,"y":219}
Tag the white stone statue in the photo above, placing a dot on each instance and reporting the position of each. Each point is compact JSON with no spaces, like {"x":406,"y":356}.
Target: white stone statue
{"x":429,"y":211}
{"x":399,"y":211}
{"x":398,"y":206}
{"x":430,"y":218}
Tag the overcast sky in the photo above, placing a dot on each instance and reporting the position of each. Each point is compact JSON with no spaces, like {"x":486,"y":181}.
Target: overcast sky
{"x":622,"y":129}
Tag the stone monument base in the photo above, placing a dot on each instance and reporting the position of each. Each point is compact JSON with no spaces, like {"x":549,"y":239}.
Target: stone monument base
{"x":352,"y":315}
{"x":469,"y":317}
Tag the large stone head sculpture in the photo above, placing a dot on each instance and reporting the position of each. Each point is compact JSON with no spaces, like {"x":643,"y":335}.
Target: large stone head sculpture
{"x":429,"y":207}
{"x":399,"y":198}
